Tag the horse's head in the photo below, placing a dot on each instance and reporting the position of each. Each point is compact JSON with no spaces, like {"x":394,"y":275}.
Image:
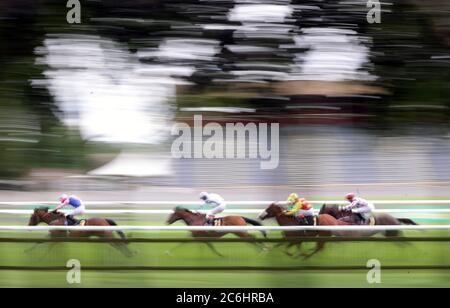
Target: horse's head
{"x":272,"y":211}
{"x":178,"y":214}
{"x":37,"y":216}
{"x":43,"y":215}
{"x":333,"y":210}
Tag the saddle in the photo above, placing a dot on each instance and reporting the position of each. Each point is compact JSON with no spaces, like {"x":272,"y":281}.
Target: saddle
{"x":358,"y":220}
{"x":71,"y":221}
{"x":307,"y":221}
{"x":370,"y":222}
{"x":216,"y":222}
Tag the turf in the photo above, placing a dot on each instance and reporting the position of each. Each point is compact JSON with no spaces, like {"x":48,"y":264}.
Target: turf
{"x":226,"y":279}
{"x":236,"y":255}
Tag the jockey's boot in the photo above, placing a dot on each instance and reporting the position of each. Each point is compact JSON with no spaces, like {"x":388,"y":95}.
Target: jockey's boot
{"x":71,"y":221}
{"x":309,"y":220}
{"x":360,"y":220}
{"x":301,"y":221}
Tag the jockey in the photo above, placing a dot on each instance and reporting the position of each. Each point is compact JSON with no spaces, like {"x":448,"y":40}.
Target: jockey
{"x":301,"y":209}
{"x":76,"y":204}
{"x":361,"y":208}
{"x":215,"y":201}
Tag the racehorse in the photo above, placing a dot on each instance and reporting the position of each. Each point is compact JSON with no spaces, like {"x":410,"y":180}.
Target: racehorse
{"x":294,"y":237}
{"x":197,"y":219}
{"x":328,"y":216}
{"x":55,"y":218}
{"x":380,"y":220}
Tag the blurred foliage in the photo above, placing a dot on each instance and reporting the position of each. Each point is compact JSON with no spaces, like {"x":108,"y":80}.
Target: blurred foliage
{"x":407,"y":55}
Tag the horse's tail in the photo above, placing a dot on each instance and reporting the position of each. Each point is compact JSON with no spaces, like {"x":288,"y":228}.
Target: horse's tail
{"x":255,"y":223}
{"x":407,"y":221}
{"x":113,"y":223}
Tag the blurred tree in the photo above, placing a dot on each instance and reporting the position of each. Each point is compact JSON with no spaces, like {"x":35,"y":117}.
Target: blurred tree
{"x":409,"y":51}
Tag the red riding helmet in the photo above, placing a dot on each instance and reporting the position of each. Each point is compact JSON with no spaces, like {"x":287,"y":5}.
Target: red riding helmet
{"x":350,"y":197}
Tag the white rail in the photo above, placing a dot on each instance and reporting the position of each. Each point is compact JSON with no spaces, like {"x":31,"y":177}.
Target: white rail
{"x":225,"y":228}
{"x":230,"y":211}
{"x":231,"y":203}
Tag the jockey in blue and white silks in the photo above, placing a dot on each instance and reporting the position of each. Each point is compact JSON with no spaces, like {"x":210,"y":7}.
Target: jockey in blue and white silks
{"x":74,"y":202}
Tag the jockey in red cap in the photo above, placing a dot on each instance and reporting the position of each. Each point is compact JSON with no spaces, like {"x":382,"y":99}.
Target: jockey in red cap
{"x":76,"y":204}
{"x":361,"y":208}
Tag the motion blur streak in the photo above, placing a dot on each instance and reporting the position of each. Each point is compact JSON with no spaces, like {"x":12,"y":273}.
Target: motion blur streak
{"x":105,"y":91}
{"x":101,"y":97}
{"x":87,"y":109}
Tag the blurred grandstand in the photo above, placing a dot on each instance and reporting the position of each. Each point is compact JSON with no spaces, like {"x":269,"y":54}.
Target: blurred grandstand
{"x":87,"y":108}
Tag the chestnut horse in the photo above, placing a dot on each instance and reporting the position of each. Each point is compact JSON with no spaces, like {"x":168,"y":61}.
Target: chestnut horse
{"x":380,"y":220}
{"x":294,"y":237}
{"x":54,"y":218}
{"x":197,"y":219}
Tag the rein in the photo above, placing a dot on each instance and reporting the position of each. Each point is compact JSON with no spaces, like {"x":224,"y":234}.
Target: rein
{"x":51,"y":217}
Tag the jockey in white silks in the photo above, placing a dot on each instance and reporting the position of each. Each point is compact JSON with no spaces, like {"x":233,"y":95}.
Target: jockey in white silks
{"x":216,"y":202}
{"x":360,"y":207}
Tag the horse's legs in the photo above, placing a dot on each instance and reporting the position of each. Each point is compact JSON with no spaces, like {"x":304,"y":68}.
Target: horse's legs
{"x":297,"y":245}
{"x":209,"y":245}
{"x":289,"y":246}
{"x":259,"y":246}
{"x":121,"y":247}
{"x":396,"y":233}
{"x":213,"y":249}
{"x":275,"y":246}
{"x":319,"y":247}
{"x":47,"y":252}
{"x":299,"y":249}
{"x":32,"y":248}
{"x":38,"y":244}
{"x":169,"y":252}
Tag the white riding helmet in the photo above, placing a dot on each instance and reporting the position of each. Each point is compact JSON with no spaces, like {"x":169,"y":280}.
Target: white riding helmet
{"x":204,"y":196}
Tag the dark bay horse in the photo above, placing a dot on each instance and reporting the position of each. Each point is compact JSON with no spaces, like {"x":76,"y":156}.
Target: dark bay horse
{"x":380,"y":220}
{"x":197,"y":219}
{"x":294,"y":237}
{"x":54,"y":218}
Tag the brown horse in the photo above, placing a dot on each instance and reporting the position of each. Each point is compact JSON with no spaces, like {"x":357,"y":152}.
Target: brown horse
{"x":294,"y":237}
{"x":55,"y":218}
{"x":380,"y":220}
{"x":198,"y":219}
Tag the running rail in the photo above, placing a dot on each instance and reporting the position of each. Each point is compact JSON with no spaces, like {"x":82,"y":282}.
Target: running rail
{"x":225,"y":228}
{"x":231,"y":203}
{"x":230,"y":211}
